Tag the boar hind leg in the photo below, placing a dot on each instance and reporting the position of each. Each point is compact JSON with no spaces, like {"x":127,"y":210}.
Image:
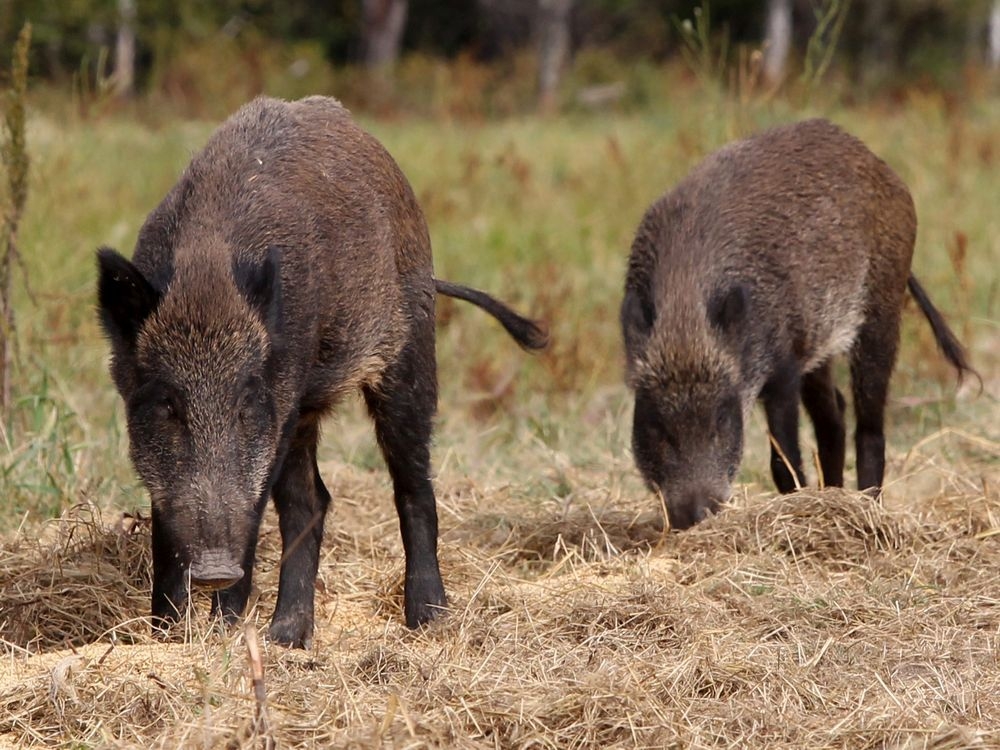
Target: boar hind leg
{"x":403,"y":410}
{"x":781,"y":405}
{"x":872,"y":359}
{"x":301,"y":500}
{"x":825,"y":405}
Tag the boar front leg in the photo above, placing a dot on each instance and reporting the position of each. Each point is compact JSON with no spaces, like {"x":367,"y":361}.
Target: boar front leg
{"x":170,"y":591}
{"x":825,"y":405}
{"x":781,"y":405}
{"x":301,"y":500}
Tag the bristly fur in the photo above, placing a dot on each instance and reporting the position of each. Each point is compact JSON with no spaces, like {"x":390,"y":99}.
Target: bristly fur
{"x":774,"y":255}
{"x":289,"y":266}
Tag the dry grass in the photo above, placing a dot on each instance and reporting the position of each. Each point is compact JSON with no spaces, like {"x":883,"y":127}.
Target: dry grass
{"x":814,"y":620}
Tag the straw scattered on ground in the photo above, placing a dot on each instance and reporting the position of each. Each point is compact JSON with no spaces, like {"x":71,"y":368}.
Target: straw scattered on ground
{"x":818,"y":620}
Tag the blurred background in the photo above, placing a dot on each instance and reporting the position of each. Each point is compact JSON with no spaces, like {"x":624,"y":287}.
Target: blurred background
{"x":492,"y":57}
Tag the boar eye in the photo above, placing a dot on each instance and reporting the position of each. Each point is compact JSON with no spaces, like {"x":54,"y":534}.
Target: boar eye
{"x":158,"y":401}
{"x":670,"y":438}
{"x":252,"y":396}
{"x":167,"y":409}
{"x":726,"y":415}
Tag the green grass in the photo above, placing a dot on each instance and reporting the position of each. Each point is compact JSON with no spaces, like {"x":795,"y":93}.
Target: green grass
{"x":540,"y":212}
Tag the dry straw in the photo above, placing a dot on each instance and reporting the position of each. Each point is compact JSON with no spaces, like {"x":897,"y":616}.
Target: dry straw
{"x":818,"y":620}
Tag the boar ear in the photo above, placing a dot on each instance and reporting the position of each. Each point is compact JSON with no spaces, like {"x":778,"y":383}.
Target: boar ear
{"x":727,"y":309}
{"x":124,"y":297}
{"x":637,"y":316}
{"x":261,"y":285}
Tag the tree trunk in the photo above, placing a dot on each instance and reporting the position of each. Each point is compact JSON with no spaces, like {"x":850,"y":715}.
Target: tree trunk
{"x":880,"y":49}
{"x":993,"y":42}
{"x":553,"y":49}
{"x":124,"y":73}
{"x":778,"y":41}
{"x":14,"y":148}
{"x":384,"y":21}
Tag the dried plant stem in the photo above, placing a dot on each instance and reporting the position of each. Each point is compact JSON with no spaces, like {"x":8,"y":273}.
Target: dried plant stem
{"x":261,"y":726}
{"x":785,"y":461}
{"x":13,"y":149}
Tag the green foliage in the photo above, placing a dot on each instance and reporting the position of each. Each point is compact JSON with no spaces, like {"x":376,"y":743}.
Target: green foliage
{"x":62,"y":31}
{"x":930,"y":39}
{"x":830,"y":17}
{"x":41,"y":467}
{"x":705,"y":50}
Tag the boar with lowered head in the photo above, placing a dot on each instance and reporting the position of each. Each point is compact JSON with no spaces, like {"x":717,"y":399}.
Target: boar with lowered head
{"x":775,"y":254}
{"x":289,"y":266}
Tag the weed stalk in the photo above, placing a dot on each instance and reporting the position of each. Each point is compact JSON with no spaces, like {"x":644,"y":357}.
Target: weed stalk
{"x":14,"y":152}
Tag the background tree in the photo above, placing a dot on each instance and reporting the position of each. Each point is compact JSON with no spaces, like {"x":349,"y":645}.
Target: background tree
{"x":553,"y":48}
{"x":384,"y":22}
{"x":124,"y":72}
{"x":993,"y":45}
{"x":778,"y":40}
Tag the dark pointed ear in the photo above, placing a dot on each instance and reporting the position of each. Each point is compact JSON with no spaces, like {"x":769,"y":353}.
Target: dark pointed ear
{"x":260,"y":283}
{"x":728,"y":308}
{"x":124,"y":297}
{"x":637,"y":317}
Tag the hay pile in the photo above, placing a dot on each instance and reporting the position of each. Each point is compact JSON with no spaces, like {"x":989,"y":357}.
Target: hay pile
{"x":817,"y":620}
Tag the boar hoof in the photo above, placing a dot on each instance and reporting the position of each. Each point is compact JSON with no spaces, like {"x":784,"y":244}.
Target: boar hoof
{"x":293,"y":631}
{"x":164,"y":630}
{"x":420,"y":610}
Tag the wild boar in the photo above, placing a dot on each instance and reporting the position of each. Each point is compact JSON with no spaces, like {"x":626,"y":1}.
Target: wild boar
{"x":774,"y":255}
{"x":289,"y":266}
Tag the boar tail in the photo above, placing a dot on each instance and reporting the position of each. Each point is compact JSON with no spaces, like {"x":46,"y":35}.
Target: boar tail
{"x":527,"y":333}
{"x":949,"y":344}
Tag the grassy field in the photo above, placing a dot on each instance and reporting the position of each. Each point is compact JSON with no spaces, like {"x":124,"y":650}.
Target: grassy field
{"x":816,"y":620}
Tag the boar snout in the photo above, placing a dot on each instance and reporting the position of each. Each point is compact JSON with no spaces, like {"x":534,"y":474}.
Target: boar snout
{"x":215,"y":569}
{"x":689,"y":509}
